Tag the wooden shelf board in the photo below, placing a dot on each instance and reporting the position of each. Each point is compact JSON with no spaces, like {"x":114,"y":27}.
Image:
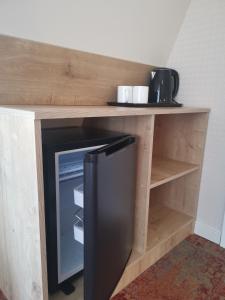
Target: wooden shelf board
{"x":165,"y":170}
{"x":163,"y":223}
{"x":63,"y":112}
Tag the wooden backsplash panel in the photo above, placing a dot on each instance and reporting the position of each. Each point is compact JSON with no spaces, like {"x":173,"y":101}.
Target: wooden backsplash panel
{"x":37,"y":73}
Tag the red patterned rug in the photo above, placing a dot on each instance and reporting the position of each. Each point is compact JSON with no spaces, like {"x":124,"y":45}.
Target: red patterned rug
{"x":194,"y":270}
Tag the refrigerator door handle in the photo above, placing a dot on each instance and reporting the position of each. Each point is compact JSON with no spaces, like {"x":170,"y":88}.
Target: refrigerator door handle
{"x":113,"y":147}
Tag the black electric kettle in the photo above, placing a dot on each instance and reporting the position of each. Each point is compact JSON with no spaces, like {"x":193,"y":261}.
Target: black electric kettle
{"x":163,"y":87}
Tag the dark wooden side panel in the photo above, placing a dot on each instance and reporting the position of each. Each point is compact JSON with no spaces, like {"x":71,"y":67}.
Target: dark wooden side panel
{"x":37,"y":73}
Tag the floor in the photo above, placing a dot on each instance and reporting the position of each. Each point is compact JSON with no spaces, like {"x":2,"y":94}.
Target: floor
{"x":194,"y":270}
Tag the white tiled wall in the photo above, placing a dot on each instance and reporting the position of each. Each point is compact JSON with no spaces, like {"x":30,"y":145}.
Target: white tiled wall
{"x":199,"y":56}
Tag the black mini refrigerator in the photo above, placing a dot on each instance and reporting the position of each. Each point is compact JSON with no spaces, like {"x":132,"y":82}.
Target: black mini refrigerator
{"x":89,"y":181}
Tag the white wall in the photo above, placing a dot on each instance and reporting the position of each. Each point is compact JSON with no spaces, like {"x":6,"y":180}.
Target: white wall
{"x":138,"y":30}
{"x":145,"y":31}
{"x":199,"y":56}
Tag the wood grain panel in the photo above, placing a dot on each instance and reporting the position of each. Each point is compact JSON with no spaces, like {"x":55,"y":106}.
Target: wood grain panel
{"x":62,"y":112}
{"x":181,"y":138}
{"x":180,"y":194}
{"x":21,"y":274}
{"x":165,"y":170}
{"x":142,"y":127}
{"x":164,"y":222}
{"x":54,"y":123}
{"x":37,"y":73}
{"x":41,"y":206}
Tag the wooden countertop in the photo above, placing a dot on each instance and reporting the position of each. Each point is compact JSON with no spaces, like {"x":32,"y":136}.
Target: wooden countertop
{"x":39,"y":112}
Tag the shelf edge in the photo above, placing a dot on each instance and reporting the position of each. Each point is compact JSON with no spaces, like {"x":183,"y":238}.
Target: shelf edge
{"x":174,"y":177}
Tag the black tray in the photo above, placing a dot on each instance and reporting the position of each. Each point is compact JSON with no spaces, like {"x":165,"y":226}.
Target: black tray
{"x":173,"y":104}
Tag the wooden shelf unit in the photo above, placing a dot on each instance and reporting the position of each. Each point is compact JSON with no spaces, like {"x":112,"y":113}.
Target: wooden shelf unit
{"x":166,"y":188}
{"x":165,"y":170}
{"x":164,"y":222}
{"x":170,"y":210}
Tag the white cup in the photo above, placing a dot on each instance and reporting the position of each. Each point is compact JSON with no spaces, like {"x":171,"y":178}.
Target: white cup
{"x":140,"y":94}
{"x":124,"y":94}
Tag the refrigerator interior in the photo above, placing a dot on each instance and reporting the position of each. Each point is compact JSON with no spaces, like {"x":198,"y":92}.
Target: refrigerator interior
{"x":69,"y":203}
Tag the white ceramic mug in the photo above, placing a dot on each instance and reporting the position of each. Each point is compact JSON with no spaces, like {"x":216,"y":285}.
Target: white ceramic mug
{"x":140,"y":94}
{"x":124,"y":94}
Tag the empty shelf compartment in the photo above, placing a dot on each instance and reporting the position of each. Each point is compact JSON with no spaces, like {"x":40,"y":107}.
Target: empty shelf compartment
{"x":165,"y":170}
{"x":164,"y":222}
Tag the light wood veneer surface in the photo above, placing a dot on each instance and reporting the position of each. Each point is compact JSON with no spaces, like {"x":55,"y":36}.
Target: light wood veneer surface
{"x":38,"y":73}
{"x":163,"y":223}
{"x":165,"y":170}
{"x":63,"y":112}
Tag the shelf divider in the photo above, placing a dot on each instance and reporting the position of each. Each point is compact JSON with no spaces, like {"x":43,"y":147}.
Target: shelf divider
{"x":165,"y":170}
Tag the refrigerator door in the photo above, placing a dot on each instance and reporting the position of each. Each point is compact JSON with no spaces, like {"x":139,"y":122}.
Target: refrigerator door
{"x":109,"y":193}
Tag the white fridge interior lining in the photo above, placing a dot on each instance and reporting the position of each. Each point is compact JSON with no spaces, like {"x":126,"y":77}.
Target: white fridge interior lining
{"x":70,"y":203}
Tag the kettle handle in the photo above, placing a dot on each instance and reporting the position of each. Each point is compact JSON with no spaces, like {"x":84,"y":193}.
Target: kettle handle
{"x":176,"y":81}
